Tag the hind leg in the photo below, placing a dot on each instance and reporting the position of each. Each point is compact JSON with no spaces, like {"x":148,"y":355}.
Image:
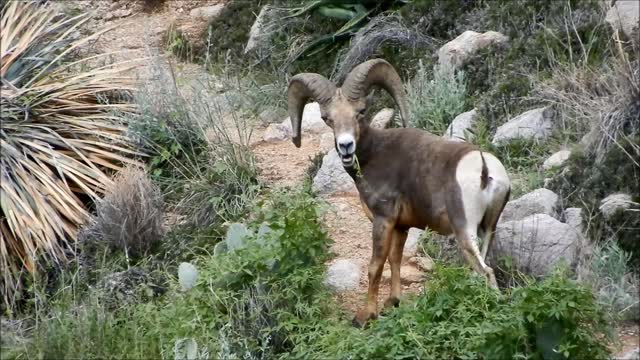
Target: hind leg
{"x":489,"y":223}
{"x":467,"y":240}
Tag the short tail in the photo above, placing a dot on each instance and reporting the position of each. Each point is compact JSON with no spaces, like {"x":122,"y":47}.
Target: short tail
{"x":484,"y":174}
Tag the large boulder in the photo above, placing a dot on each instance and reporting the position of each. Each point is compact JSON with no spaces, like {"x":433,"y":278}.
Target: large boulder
{"x":610,"y":205}
{"x":408,"y":275}
{"x":624,"y":16}
{"x":460,"y":127}
{"x":539,"y":201}
{"x":457,"y":51}
{"x":556,"y":160}
{"x":207,"y":12}
{"x":343,"y":275}
{"x":536,"y":244}
{"x":533,"y":124}
{"x":332,"y":177}
{"x":327,"y":142}
{"x":573,"y":217}
{"x":257,"y":35}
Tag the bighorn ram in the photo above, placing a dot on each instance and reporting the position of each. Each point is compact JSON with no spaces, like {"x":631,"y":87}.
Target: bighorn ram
{"x":405,"y":177}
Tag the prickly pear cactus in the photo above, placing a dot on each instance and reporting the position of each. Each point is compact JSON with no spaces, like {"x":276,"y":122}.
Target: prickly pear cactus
{"x":236,"y":236}
{"x":187,"y":275}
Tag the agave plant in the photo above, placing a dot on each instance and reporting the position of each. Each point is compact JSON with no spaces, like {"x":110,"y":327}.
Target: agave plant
{"x":60,"y":138}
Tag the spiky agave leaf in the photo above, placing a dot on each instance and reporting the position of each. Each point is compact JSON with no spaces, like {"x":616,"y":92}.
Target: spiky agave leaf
{"x":60,"y":135}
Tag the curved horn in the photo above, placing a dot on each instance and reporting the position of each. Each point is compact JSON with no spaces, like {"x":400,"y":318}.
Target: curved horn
{"x":377,"y":72}
{"x":302,"y":88}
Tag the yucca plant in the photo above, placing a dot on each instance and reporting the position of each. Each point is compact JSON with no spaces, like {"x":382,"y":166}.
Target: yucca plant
{"x":61,"y":135}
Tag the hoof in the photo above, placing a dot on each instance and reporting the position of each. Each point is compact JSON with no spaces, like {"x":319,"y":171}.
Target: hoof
{"x":391,"y":301}
{"x":361,"y":320}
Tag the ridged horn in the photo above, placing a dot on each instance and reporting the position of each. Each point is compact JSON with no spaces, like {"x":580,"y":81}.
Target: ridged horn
{"x":377,"y":72}
{"x":303,"y":88}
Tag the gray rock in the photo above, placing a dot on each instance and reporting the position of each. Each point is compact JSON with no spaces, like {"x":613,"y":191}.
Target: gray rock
{"x":343,"y":275}
{"x":117,"y":14}
{"x":257,"y":34}
{"x":633,"y":354}
{"x":457,"y":51}
{"x":332,"y":178}
{"x":459,"y":128}
{"x":610,"y":205}
{"x":207,"y":12}
{"x":411,"y":245}
{"x":573,"y":217}
{"x":382,"y":119}
{"x":423,"y":262}
{"x":311,"y":120}
{"x":624,"y":16}
{"x":539,"y":201}
{"x":326,"y":142}
{"x":556,"y":160}
{"x":408,"y":275}
{"x":271,"y":115}
{"x":533,"y":124}
{"x":536,"y":243}
{"x":276,"y":132}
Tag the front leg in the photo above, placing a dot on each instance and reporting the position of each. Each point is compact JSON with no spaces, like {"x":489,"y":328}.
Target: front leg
{"x":382,"y":232}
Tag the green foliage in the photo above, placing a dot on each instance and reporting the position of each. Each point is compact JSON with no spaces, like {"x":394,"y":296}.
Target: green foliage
{"x":616,"y":287}
{"x":434,"y":103}
{"x":179,"y":45}
{"x":459,"y":317}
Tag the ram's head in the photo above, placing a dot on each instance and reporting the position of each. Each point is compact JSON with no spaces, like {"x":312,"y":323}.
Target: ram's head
{"x":343,"y":109}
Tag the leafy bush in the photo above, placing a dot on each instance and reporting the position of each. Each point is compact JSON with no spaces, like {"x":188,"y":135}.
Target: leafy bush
{"x":459,"y":317}
{"x":434,"y":103}
{"x":130,"y":216}
{"x":615,"y":286}
{"x":60,"y":137}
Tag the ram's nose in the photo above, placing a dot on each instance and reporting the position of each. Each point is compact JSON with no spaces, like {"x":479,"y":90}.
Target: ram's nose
{"x":346,"y":145}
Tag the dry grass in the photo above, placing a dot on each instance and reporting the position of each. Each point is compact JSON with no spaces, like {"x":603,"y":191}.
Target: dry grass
{"x":601,"y":102}
{"x":130,"y":216}
{"x":383,"y":29}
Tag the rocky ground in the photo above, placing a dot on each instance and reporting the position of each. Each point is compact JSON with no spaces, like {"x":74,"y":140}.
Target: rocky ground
{"x":141,"y":28}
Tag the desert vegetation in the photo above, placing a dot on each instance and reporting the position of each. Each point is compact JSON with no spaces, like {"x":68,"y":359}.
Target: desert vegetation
{"x":148,"y":212}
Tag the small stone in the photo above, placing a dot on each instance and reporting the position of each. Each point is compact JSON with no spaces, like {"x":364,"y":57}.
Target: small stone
{"x":408,"y":275}
{"x":556,"y":160}
{"x":276,"y":132}
{"x":411,"y":245}
{"x":382,"y":119}
{"x":343,"y":275}
{"x":207,"y":12}
{"x":610,"y":205}
{"x":423,"y":262}
{"x":270,"y":115}
{"x":633,"y":354}
{"x":573,"y":217}
{"x":311,"y":120}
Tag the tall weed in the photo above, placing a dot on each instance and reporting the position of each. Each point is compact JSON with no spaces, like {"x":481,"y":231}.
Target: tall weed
{"x":434,"y":103}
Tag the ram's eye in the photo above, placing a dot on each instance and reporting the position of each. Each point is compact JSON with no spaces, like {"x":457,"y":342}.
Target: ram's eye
{"x":362,"y":111}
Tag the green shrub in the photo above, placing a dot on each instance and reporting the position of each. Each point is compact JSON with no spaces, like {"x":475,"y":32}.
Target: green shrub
{"x":459,"y":317}
{"x":434,"y":103}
